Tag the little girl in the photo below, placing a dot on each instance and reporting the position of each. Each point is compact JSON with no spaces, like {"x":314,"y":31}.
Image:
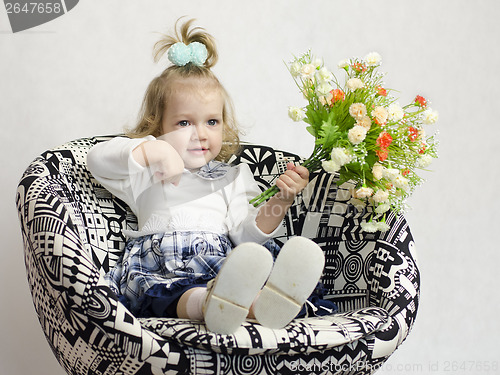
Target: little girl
{"x":192,"y":207}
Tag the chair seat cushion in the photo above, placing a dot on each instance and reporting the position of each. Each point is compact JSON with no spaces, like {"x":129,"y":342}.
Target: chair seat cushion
{"x":300,"y":336}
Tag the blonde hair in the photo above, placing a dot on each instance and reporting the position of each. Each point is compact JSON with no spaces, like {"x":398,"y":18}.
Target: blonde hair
{"x":158,"y":91}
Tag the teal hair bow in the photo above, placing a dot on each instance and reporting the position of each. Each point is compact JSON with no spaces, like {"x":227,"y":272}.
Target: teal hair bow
{"x":181,"y":54}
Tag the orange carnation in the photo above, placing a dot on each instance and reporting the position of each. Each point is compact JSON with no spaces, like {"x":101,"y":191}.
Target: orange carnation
{"x":421,"y":101}
{"x":382,"y":154}
{"x":384,"y":140}
{"x":359,"y":67}
{"x":337,"y":95}
{"x":413,"y":133}
{"x":381,"y":91}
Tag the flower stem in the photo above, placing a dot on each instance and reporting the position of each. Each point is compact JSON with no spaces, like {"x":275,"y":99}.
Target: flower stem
{"x":264,"y":196}
{"x":312,"y":164}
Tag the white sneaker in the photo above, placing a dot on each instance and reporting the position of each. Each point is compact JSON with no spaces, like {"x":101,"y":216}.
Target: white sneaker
{"x":231,"y":294}
{"x":295,"y":274}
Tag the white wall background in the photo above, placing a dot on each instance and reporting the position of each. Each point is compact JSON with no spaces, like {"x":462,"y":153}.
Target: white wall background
{"x":85,"y":73}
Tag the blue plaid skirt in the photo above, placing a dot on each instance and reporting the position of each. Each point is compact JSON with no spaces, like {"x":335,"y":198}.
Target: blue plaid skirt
{"x":155,"y":270}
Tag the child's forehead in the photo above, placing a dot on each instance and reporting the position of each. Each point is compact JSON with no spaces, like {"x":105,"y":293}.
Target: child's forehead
{"x":192,"y":85}
{"x":201,"y":90}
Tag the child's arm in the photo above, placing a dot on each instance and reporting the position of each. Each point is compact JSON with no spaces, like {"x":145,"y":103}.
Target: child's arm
{"x":290,"y":183}
{"x":162,"y":158}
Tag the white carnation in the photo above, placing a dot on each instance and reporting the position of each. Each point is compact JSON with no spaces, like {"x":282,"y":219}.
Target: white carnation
{"x":343,"y":63}
{"x":382,"y":226}
{"x":355,"y":83}
{"x":424,"y":161}
{"x":324,"y":75}
{"x":380,"y":196}
{"x":295,"y":69}
{"x":378,"y":170}
{"x":356,"y":134}
{"x":401,"y":182}
{"x":369,"y":226}
{"x":365,"y":122}
{"x":357,"y":110}
{"x":430,"y":116}
{"x":330,"y":166}
{"x":391,"y":173}
{"x":380,"y":114}
{"x":364,"y":192}
{"x":324,"y":88}
{"x":357,"y":203}
{"x":396,"y":113}
{"x":307,"y":70}
{"x":317,"y":62}
{"x":296,"y":113}
{"x":373,"y":58}
{"x":340,"y":156}
{"x":382,"y":208}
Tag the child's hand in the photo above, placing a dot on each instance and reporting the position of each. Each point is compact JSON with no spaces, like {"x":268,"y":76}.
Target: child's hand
{"x":292,"y":182}
{"x":163,"y":160}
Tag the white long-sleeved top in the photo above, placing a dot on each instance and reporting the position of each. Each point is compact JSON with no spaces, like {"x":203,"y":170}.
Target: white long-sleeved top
{"x":213,"y":199}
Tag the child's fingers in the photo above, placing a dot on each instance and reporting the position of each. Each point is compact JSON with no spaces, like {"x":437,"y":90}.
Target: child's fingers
{"x":285,"y":191}
{"x":176,"y":179}
{"x":292,"y":181}
{"x":288,"y":180}
{"x":295,"y":176}
{"x":303,"y":172}
{"x":162,"y":177}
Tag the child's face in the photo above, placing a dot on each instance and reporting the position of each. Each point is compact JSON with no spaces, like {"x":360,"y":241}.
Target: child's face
{"x":193,"y":123}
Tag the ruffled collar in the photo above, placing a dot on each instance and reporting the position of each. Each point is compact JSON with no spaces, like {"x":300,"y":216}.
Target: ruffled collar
{"x":213,"y":170}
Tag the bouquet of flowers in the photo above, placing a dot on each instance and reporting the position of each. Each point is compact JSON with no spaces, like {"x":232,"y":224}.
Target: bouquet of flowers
{"x":363,"y":134}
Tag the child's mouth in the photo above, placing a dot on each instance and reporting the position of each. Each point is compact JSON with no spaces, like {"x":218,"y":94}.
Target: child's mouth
{"x":197,"y":151}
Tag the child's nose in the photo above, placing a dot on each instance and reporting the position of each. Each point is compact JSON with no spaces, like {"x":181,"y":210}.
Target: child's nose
{"x":199,"y":132}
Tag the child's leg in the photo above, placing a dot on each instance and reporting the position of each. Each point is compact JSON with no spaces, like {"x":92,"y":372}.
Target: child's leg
{"x":190,"y":305}
{"x":296,"y":273}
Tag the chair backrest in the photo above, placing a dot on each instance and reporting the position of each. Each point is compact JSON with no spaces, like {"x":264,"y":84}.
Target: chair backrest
{"x":60,"y":177}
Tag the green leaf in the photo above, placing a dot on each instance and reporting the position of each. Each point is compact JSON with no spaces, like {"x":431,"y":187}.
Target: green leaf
{"x":311,"y":131}
{"x":315,"y":116}
{"x":345,"y":176}
{"x":371,"y":158}
{"x":328,"y":134}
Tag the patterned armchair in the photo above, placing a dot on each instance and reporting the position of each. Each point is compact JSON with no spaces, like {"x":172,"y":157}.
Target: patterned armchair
{"x":71,"y":228}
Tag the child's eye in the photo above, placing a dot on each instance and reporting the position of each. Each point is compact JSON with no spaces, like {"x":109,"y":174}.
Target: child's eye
{"x":183,"y":123}
{"x":213,"y":122}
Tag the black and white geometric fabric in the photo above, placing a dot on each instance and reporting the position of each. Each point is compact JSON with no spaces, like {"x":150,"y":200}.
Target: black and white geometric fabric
{"x":72,"y":232}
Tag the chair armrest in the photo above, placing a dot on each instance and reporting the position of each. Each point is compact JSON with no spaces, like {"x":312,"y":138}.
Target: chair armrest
{"x":68,"y":289}
{"x":395,"y":283}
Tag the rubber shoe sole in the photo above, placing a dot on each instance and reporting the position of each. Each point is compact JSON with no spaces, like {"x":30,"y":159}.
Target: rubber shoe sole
{"x":240,"y":279}
{"x":295,"y":274}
